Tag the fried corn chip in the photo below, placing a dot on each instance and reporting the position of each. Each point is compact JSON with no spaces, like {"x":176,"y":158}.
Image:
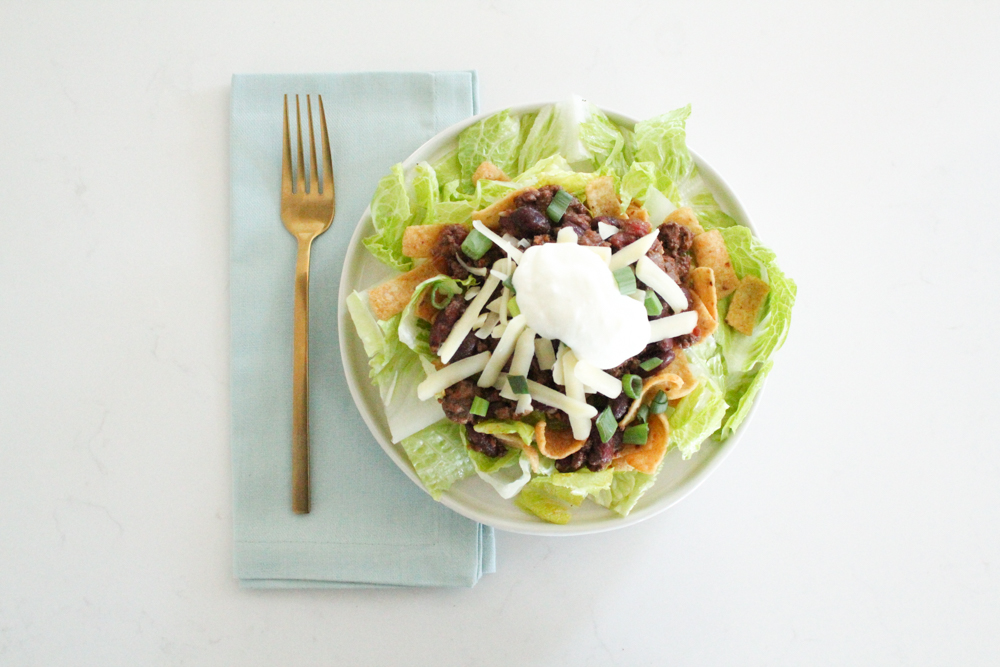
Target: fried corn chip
{"x":710,"y":250}
{"x":556,"y":444}
{"x":419,"y":239}
{"x":602,"y":198}
{"x":703,"y":284}
{"x":706,"y":323}
{"x":490,"y":215}
{"x":425,"y":309}
{"x":676,"y":381}
{"x":685,"y":216}
{"x":490,"y":172}
{"x":391,"y":297}
{"x":646,"y":458}
{"x":746,"y":304}
{"x":636,"y":211}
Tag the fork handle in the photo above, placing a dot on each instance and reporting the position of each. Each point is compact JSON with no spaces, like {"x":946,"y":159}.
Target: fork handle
{"x":300,"y":381}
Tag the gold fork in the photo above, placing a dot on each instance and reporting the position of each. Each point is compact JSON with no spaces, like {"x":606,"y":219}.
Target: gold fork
{"x":307,"y":210}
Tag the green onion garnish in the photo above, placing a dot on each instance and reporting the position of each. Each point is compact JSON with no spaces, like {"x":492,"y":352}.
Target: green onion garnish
{"x":444,"y":290}
{"x":659,"y":403}
{"x":636,"y":435}
{"x":512,"y":308}
{"x":480,"y":406}
{"x":476,"y":244}
{"x":643,"y":413}
{"x":625,"y":279}
{"x":518,"y":384}
{"x":652,"y":303}
{"x":560,"y":202}
{"x":632,"y":385}
{"x":650,"y":364}
{"x":606,"y":424}
{"x":509,"y":284}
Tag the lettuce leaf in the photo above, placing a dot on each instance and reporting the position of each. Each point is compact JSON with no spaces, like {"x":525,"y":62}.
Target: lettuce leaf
{"x":496,"y":138}
{"x":507,"y":426}
{"x":697,"y":416}
{"x":425,"y":194}
{"x":662,"y":141}
{"x":488,"y":465}
{"x":394,"y":368}
{"x":625,"y":490}
{"x":415,"y":332}
{"x":438,"y":454}
{"x":391,"y":214}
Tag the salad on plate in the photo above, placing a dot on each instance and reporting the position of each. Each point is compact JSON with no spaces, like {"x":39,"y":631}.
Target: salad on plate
{"x":571,"y":304}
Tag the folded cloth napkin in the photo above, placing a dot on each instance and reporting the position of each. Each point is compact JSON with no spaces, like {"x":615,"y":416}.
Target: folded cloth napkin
{"x":369,"y":525}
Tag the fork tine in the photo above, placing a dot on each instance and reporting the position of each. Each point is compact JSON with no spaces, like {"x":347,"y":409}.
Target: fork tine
{"x":300,"y":181}
{"x":327,"y":160}
{"x":286,"y":158}
{"x":314,"y":166}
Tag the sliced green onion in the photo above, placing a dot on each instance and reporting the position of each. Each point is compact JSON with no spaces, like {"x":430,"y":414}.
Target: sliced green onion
{"x":652,"y":303}
{"x":636,"y":435}
{"x":625,"y":279}
{"x":509,"y":284}
{"x":659,"y":403}
{"x":650,"y":364}
{"x":512,"y":308}
{"x":444,"y":290}
{"x":560,"y":202}
{"x":480,"y":406}
{"x":476,"y":244}
{"x":606,"y":424}
{"x":518,"y":384}
{"x":632,"y":385}
{"x":643,"y":413}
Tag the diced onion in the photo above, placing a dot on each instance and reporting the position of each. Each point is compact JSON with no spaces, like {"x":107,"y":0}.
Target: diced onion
{"x":606,"y":231}
{"x":602,"y":382}
{"x":655,"y":277}
{"x":440,"y":380}
{"x":673,"y":326}
{"x":502,"y":352}
{"x":511,"y":251}
{"x":633,"y":251}
{"x":567,"y":235}
{"x":464,"y":324}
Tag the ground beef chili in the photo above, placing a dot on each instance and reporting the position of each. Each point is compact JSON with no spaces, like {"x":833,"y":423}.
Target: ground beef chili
{"x":671,"y":251}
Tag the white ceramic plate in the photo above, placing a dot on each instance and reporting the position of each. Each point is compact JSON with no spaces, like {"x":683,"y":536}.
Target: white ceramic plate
{"x":472,"y":497}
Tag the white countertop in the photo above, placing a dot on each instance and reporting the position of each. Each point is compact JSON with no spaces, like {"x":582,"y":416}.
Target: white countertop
{"x":856,"y":522}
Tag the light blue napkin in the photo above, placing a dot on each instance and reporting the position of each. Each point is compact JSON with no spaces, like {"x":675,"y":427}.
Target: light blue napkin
{"x":369,"y":525}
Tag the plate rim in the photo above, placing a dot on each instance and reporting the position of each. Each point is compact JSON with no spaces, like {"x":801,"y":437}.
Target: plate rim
{"x":438,"y":145}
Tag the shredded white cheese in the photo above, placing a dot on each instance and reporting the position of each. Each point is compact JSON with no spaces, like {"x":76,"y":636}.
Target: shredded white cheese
{"x":602,"y":382}
{"x":575,"y":391}
{"x":673,"y":326}
{"x":545,"y":354}
{"x":464,"y":324}
{"x":502,"y":352}
{"x":440,"y":380}
{"x":606,"y":231}
{"x":511,"y":251}
{"x":560,"y":401}
{"x":520,"y":364}
{"x":648,"y":272}
{"x":633,"y":251}
{"x":602,"y":251}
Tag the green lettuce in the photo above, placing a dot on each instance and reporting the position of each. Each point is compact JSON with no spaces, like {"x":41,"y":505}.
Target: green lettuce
{"x":507,"y":427}
{"x":438,"y":454}
{"x":413,"y":331}
{"x":425,"y":194}
{"x":390,"y":209}
{"x":625,"y":490}
{"x":496,"y":139}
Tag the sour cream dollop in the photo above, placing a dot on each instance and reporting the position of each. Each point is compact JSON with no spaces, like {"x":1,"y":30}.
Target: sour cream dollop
{"x":567,"y":292}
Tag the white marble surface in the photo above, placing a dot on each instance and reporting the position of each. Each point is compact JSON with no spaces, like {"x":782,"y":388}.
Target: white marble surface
{"x":857,"y":522}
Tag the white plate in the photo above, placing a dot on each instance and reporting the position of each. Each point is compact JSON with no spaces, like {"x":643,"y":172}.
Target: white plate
{"x":472,"y":497}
